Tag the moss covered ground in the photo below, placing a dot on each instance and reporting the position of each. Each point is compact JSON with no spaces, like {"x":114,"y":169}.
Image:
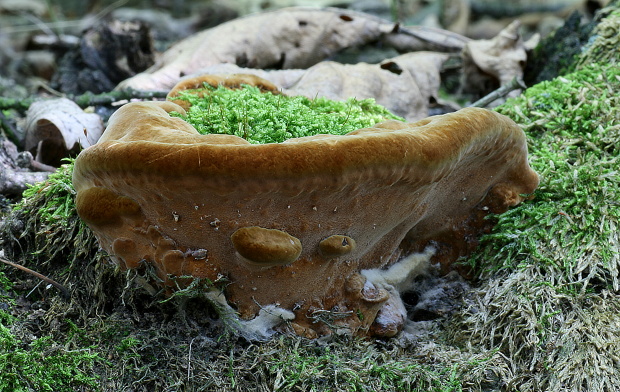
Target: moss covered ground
{"x":549,"y":272}
{"x":543,"y":313}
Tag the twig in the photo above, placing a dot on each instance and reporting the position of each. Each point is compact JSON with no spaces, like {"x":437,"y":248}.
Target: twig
{"x":87,"y":99}
{"x":444,"y":39}
{"x":65,"y":293}
{"x":42,"y":167}
{"x":90,"y":99}
{"x":501,"y":92}
{"x":189,"y":360}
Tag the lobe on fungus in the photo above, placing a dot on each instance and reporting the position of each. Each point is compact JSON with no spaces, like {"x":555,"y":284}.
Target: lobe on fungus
{"x":266,"y":247}
{"x":317,"y":225}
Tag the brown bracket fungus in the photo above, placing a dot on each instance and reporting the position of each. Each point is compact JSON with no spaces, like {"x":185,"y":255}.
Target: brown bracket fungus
{"x":326,"y":230}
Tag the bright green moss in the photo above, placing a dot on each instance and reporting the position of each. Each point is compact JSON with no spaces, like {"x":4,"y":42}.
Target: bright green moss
{"x":573,"y":128}
{"x":52,"y":228}
{"x":58,"y":195}
{"x":42,"y":365}
{"x":262,"y":117}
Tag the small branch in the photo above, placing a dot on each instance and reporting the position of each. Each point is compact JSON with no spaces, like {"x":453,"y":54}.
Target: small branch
{"x":87,"y":99}
{"x":65,"y":293}
{"x":42,"y":167}
{"x":9,"y":128}
{"x":21,"y":105}
{"x":444,"y":39}
{"x":14,"y":182}
{"x":514,"y":84}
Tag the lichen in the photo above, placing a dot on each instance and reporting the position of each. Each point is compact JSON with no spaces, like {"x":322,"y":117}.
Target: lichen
{"x":264,"y":117}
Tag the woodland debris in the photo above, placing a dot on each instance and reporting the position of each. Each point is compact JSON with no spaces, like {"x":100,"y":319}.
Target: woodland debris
{"x":15,"y":173}
{"x":57,"y":127}
{"x":488,"y":64}
{"x":501,"y":92}
{"x":285,"y":39}
{"x":65,"y":293}
{"x":166,"y":28}
{"x":87,"y":99}
{"x":107,"y":54}
{"x":404,"y":84}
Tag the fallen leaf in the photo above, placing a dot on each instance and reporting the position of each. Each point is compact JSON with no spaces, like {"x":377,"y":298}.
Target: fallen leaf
{"x":55,"y":128}
{"x":490,"y":63}
{"x":403,"y":84}
{"x":285,"y":39}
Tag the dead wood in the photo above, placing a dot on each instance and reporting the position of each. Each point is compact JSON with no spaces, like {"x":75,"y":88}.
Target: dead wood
{"x":86,"y":99}
{"x":515,"y":84}
{"x":15,"y":175}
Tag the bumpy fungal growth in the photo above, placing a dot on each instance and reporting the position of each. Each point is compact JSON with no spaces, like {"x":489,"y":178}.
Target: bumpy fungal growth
{"x":327,"y":227}
{"x":266,"y":247}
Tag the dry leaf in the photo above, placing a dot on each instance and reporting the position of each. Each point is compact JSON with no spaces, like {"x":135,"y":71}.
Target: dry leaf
{"x":284,"y":39}
{"x":56,"y":127}
{"x":403,"y":84}
{"x":488,"y":64}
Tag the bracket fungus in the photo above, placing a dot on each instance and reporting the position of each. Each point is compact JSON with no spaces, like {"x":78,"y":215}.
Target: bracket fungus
{"x":318,"y":225}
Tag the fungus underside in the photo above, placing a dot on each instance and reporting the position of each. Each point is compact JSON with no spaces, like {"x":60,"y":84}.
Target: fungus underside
{"x":264,"y":117}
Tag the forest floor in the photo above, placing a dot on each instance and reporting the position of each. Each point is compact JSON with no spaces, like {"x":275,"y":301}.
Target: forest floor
{"x":541,"y":310}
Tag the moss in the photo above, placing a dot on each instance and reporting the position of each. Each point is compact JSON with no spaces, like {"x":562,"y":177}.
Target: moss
{"x":264,"y":117}
{"x":573,"y":126}
{"x":42,"y":365}
{"x":45,"y":224}
{"x":58,"y":193}
{"x":602,"y":48}
{"x":295,"y":364}
{"x":550,"y":270}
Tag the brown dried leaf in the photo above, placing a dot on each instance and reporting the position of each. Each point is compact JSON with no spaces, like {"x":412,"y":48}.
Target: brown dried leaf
{"x":403,"y":84}
{"x":488,"y":64}
{"x":283,"y":39}
{"x":56,"y":127}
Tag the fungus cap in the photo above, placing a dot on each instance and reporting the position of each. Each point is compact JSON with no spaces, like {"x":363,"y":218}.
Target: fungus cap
{"x":294,"y":223}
